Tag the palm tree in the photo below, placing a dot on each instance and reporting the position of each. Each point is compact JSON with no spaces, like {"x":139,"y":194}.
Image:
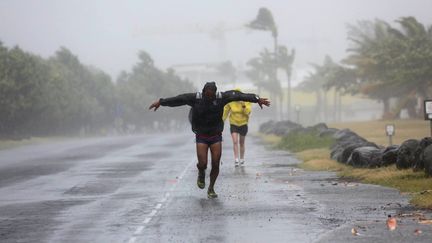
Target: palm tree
{"x":412,"y":67}
{"x":263,"y":76}
{"x":342,"y":80}
{"x":285,"y":61}
{"x":371,"y":45}
{"x":392,"y":62}
{"x":265,"y":21}
{"x":255,"y":73}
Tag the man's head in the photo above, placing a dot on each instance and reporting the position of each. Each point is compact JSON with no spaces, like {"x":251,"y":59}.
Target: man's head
{"x":209,"y":90}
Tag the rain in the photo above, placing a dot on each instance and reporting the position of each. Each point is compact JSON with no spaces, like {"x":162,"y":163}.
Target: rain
{"x":215,"y":121}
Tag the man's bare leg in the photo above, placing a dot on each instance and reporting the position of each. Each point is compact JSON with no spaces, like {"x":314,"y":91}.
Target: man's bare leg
{"x":216,"y":152}
{"x":202,"y":153}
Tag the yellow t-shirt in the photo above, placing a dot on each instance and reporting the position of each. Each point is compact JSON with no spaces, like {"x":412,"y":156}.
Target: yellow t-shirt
{"x":238,"y":112}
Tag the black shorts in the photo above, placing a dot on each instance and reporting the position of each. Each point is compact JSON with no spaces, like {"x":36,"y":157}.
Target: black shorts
{"x":242,"y":130}
{"x":209,"y":140}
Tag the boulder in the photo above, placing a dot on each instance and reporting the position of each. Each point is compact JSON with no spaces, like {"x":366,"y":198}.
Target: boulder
{"x":366,"y":157}
{"x":406,"y":154}
{"x":419,"y":160}
{"x":427,"y":159}
{"x":320,"y":127}
{"x":266,"y":127}
{"x":336,"y":152}
{"x":347,"y":151}
{"x":389,"y":156}
{"x":280,"y":128}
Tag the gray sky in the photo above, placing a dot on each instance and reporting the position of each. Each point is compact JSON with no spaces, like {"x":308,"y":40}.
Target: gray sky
{"x":108,"y":33}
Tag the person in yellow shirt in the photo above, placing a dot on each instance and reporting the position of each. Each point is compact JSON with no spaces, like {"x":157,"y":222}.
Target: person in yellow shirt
{"x":238,"y":113}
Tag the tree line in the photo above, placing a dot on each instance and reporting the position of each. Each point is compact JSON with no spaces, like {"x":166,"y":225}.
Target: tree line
{"x":388,"y":63}
{"x":60,"y":95}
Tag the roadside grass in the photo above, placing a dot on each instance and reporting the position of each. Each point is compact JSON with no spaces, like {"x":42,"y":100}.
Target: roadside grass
{"x":272,"y":140}
{"x":9,"y":144}
{"x":296,"y":142}
{"x":415,"y":184}
{"x":319,"y":160}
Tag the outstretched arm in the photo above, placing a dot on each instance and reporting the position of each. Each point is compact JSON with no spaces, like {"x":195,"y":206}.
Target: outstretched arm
{"x":239,"y":96}
{"x":183,"y":99}
{"x":263,"y":101}
{"x":155,"y":105}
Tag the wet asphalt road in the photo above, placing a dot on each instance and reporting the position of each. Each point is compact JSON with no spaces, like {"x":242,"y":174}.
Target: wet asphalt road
{"x":143,"y":189}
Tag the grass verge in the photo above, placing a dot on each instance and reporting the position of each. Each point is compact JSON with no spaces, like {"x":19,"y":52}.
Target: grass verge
{"x":317,"y":158}
{"x":9,"y":144}
{"x":296,"y":142}
{"x":407,"y":181}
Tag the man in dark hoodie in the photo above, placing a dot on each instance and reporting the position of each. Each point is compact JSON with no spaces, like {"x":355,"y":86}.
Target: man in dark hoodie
{"x":207,"y":124}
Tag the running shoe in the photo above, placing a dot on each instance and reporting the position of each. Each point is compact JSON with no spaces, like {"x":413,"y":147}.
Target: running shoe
{"x":242,"y":162}
{"x":211,"y":193}
{"x":201,"y":179}
{"x":236,"y":163}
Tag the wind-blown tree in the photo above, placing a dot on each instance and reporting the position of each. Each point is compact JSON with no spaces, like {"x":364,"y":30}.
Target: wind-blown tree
{"x":83,"y":96}
{"x":285,"y":62}
{"x":144,"y":84}
{"x":316,"y":82}
{"x":343,"y":80}
{"x":411,"y":69}
{"x":371,"y":44}
{"x":22,"y":88}
{"x":60,"y":95}
{"x":392,"y":63}
{"x":255,"y":73}
{"x":262,"y":75}
{"x":265,"y":21}
{"x":309,"y":84}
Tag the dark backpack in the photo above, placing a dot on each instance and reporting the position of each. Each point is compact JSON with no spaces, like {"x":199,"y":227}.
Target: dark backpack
{"x":198,"y":96}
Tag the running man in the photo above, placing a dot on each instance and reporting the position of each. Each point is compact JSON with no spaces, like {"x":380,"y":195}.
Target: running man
{"x":238,"y":113}
{"x":207,"y":124}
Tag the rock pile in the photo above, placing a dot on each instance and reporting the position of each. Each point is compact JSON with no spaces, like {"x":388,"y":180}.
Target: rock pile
{"x":349,"y":148}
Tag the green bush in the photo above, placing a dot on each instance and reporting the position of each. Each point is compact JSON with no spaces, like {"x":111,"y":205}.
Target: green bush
{"x":296,"y":142}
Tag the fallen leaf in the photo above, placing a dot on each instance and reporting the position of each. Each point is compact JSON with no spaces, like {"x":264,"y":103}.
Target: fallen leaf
{"x":354,"y":232}
{"x":417,"y":232}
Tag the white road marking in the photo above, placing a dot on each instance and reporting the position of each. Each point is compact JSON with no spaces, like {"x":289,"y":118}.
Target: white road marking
{"x":153,"y":213}
{"x":159,"y":205}
{"x":132,"y":240}
{"x":146,"y":220}
{"x":139,"y":230}
{"x":149,"y":217}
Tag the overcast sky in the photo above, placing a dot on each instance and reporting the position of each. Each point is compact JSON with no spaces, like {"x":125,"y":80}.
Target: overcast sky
{"x":108,"y":34}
